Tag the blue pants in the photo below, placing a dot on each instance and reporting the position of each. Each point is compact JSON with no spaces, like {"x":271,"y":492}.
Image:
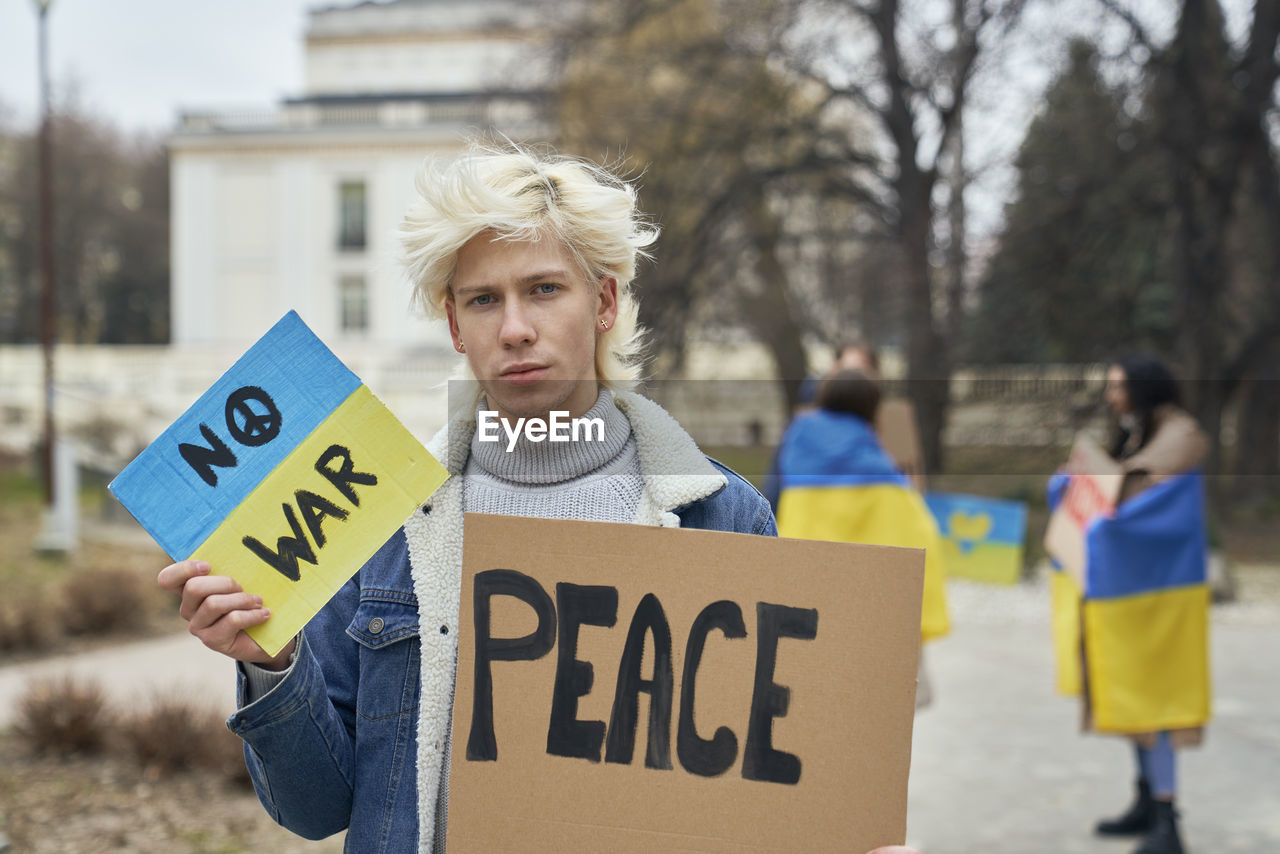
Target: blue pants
{"x":1158,"y":766}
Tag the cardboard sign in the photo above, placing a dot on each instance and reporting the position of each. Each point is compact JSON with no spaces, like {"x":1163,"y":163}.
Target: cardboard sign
{"x":983,"y":538}
{"x":287,"y":475}
{"x":1093,"y":489}
{"x":898,"y":433}
{"x":631,"y":689}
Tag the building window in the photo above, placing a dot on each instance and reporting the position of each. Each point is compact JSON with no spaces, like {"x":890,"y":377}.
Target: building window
{"x":351,"y":215}
{"x":353,"y":294}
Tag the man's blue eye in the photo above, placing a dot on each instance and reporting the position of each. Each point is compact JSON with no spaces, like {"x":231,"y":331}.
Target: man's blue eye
{"x":548,"y":288}
{"x":483,"y":299}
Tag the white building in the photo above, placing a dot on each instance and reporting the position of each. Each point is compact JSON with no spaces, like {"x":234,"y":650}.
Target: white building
{"x":297,"y":207}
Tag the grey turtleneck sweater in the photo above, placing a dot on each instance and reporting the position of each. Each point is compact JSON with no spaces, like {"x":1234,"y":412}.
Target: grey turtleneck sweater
{"x":595,"y":479}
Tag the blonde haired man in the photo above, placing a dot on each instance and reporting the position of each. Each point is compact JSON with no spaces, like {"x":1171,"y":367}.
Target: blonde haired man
{"x":530,"y":259}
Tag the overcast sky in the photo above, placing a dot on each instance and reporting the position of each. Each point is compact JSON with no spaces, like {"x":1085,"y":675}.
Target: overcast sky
{"x":138,"y":62}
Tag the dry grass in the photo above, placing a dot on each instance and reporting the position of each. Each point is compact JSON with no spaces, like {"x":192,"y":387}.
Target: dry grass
{"x":64,"y":717}
{"x":172,"y":735}
{"x":168,"y":736}
{"x":51,"y":601}
{"x":105,"y":602}
{"x":109,"y":803}
{"x":24,"y":622}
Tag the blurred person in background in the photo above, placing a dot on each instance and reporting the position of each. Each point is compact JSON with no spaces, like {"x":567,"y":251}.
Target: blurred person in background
{"x":1143,"y":627}
{"x":838,"y":483}
{"x":857,"y":355}
{"x":854,"y":354}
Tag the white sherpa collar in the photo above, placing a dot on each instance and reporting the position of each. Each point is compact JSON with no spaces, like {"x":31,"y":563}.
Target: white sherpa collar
{"x":675,"y":472}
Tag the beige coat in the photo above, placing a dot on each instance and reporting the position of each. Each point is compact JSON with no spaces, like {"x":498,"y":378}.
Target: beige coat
{"x":1177,"y":445}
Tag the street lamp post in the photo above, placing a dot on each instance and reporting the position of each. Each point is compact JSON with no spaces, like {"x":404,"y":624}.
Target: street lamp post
{"x":45,"y":190}
{"x":59,"y":526}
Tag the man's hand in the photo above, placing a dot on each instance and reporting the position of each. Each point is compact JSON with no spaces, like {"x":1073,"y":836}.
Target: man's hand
{"x":217,"y":611}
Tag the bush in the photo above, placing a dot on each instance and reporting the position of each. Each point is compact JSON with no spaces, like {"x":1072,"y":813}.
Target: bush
{"x":63,"y":716}
{"x":25,"y":623}
{"x":103,"y":601}
{"x":174,"y":735}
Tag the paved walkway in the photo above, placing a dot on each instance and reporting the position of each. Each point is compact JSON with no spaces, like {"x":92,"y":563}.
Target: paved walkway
{"x":998,"y":766}
{"x":174,"y":665}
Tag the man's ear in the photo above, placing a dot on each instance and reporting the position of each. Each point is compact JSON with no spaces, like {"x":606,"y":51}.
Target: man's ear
{"x":451,"y":312}
{"x":607,"y":310}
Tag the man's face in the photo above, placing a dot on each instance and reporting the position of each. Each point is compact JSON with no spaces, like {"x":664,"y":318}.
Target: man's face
{"x":529,"y":321}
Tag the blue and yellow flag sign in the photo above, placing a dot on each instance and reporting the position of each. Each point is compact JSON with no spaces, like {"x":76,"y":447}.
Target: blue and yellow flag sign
{"x":983,"y":538}
{"x":1142,"y":617}
{"x":287,"y":474}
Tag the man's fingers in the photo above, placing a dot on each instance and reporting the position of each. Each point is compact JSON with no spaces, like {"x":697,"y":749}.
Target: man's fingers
{"x":241,"y":620}
{"x":197,"y":590}
{"x":217,"y":606}
{"x":224,"y":634}
{"x":174,"y":576}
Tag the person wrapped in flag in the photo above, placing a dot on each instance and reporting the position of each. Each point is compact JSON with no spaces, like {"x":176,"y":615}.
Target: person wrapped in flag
{"x":838,"y":483}
{"x":1133,"y":643}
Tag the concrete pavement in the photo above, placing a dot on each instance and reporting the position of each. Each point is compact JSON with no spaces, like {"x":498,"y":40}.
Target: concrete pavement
{"x":999,"y":766}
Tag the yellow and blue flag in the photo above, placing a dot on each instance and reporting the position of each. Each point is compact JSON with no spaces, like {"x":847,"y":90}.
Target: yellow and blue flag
{"x":287,"y":475}
{"x":1142,"y":619}
{"x":984,"y":538}
{"x":837,"y":483}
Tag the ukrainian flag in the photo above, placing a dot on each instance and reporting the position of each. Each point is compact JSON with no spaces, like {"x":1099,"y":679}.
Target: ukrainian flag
{"x":983,"y":537}
{"x":1142,"y":619}
{"x":838,"y":484}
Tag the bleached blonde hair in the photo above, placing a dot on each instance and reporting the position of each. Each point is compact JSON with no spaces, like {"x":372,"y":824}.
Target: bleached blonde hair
{"x":522,"y":194}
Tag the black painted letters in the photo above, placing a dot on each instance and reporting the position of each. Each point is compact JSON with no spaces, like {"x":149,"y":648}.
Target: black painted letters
{"x":714,"y":756}
{"x":649,"y":619}
{"x":768,"y":701}
{"x":577,"y":605}
{"x":481,"y":744}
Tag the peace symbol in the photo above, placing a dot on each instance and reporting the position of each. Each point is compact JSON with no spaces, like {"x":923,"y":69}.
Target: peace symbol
{"x":247,"y":424}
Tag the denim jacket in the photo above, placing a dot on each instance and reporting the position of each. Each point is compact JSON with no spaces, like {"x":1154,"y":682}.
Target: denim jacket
{"x":373,"y":674}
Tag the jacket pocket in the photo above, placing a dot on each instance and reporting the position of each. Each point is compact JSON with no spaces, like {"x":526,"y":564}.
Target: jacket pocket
{"x":385,"y":626}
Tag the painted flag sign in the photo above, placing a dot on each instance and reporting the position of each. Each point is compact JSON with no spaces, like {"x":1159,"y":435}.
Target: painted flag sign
{"x":984,"y":538}
{"x":287,"y":475}
{"x":1092,"y":489}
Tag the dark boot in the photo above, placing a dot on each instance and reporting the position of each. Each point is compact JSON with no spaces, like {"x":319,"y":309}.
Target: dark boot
{"x":1139,"y":818}
{"x":1163,"y":838}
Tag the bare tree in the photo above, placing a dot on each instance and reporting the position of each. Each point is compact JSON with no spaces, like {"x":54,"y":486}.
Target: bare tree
{"x":683,"y":93}
{"x":909,"y":66}
{"x":111,"y":235}
{"x":1212,"y":106}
